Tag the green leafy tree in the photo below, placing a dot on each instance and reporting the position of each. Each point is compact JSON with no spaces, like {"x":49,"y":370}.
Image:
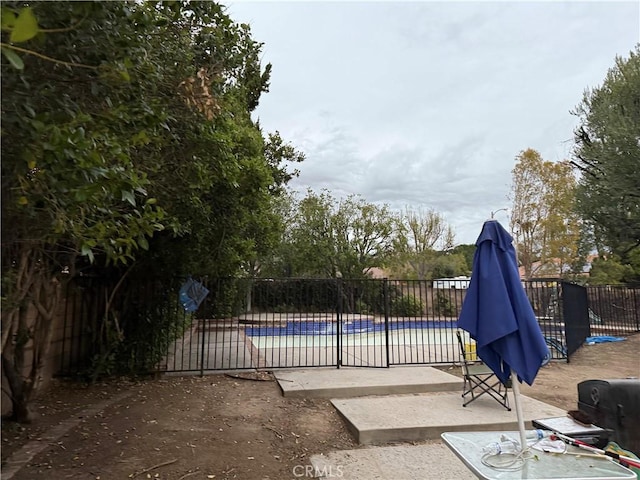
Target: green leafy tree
{"x":609,"y":271}
{"x":128,"y":150}
{"x":70,"y":185}
{"x":607,"y":153}
{"x":279,"y":260}
{"x":545,"y":227}
{"x":467,"y":251}
{"x":330,"y":238}
{"x":312,"y":237}
{"x":447,"y":265}
{"x":363,"y":235}
{"x":419,"y":238}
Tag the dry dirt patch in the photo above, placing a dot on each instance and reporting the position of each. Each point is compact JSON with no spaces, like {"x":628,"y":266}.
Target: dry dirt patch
{"x":225,"y":427}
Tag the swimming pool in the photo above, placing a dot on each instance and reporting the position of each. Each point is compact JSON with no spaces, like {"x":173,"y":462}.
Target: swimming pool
{"x":355,"y":326}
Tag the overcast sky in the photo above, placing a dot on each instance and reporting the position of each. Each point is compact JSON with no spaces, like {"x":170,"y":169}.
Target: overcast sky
{"x":427,"y":104}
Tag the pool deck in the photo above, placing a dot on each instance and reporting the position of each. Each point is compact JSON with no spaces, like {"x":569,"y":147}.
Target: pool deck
{"x":359,"y":382}
{"x":397,"y":415}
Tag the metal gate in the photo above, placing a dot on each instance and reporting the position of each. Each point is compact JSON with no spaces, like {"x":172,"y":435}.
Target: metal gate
{"x":273,"y":323}
{"x":575,"y":310}
{"x":362,"y":336}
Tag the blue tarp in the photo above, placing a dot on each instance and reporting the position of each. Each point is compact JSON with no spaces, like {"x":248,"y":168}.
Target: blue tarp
{"x":602,"y":339}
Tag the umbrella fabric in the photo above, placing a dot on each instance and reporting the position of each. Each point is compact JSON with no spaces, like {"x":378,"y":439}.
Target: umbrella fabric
{"x":496,"y":311}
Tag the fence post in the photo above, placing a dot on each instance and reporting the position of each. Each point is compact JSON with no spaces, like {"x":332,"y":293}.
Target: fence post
{"x":635,"y":293}
{"x":385,"y":300}
{"x":338,"y":322}
{"x":64,"y":329}
{"x":202,"y":331}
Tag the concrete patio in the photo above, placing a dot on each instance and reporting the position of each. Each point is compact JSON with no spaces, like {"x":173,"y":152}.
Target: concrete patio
{"x":389,"y":410}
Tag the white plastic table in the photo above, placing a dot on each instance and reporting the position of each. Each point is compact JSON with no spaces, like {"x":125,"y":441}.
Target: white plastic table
{"x":547,"y":466}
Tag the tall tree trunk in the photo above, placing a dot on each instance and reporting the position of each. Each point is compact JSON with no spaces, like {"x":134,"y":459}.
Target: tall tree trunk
{"x":34,"y":291}
{"x":13,"y":359}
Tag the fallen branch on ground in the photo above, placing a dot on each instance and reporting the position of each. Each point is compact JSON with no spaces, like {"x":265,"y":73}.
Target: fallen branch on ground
{"x":188,"y":474}
{"x":254,"y":379}
{"x":278,"y":434}
{"x":163,"y":464}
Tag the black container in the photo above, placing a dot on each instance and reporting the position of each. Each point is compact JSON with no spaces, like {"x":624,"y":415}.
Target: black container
{"x":614,"y":405}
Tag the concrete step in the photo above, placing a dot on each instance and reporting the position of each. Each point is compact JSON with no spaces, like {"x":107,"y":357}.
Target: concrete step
{"x":420,"y":417}
{"x":358,"y":382}
{"x":401,"y":462}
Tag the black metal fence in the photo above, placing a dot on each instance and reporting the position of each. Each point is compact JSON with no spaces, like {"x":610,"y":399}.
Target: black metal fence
{"x":98,"y":314}
{"x":281,"y":323}
{"x":614,"y":309}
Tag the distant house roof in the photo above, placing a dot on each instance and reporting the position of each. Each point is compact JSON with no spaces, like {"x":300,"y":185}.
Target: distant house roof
{"x":376,"y":272}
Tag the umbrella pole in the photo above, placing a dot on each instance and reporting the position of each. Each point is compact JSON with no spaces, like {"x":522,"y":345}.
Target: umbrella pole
{"x":515,"y":386}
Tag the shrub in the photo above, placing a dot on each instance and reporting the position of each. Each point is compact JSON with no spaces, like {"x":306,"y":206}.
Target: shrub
{"x":362,"y":307}
{"x":443,"y":305}
{"x":408,"y":306}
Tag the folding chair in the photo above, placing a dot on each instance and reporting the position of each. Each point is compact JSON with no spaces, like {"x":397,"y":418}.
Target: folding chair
{"x":480,"y":379}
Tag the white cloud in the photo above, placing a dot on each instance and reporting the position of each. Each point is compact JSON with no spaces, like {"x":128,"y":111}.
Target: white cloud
{"x":427,"y":104}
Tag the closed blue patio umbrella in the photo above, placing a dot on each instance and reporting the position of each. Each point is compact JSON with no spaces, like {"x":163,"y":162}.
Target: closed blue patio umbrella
{"x":498,"y":315}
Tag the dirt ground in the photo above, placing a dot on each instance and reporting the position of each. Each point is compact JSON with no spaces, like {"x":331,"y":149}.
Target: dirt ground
{"x":224,"y":427}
